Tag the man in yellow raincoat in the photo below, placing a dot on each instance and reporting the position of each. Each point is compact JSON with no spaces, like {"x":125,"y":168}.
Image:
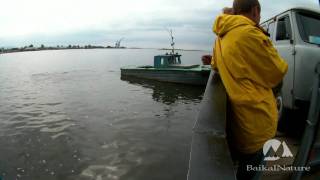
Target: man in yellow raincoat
{"x":249,"y":67}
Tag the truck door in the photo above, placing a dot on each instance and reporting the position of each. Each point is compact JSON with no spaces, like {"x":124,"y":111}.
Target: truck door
{"x":284,"y":42}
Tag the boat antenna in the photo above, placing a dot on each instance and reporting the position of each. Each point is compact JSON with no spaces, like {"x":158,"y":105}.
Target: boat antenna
{"x":172,"y":40}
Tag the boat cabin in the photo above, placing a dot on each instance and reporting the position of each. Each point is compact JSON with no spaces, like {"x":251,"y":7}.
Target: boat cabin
{"x":163,"y":61}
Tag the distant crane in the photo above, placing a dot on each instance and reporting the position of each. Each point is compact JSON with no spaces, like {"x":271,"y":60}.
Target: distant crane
{"x":118,"y":43}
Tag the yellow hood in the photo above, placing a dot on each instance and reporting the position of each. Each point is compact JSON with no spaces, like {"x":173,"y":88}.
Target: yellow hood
{"x":225,"y":23}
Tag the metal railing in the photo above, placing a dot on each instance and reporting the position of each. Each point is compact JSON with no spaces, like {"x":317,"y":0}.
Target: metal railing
{"x":210,"y":158}
{"x":309,"y":136}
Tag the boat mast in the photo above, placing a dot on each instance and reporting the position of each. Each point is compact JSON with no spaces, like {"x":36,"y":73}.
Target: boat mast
{"x":172,"y":40}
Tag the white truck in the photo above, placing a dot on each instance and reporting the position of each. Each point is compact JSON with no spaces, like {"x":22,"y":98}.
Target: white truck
{"x":296,"y":35}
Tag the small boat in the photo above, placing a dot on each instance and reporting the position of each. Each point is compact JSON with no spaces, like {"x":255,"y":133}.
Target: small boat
{"x":168,"y":68}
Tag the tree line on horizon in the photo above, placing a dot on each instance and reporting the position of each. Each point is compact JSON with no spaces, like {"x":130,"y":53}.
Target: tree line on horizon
{"x":31,"y":47}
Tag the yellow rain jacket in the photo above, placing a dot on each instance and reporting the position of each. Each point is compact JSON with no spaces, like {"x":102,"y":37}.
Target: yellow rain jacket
{"x":249,"y":67}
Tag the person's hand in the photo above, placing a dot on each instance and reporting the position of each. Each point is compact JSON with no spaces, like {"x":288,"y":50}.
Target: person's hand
{"x":276,"y":90}
{"x":206,"y":59}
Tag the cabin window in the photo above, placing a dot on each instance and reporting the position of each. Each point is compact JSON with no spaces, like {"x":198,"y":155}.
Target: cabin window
{"x":271,"y":30}
{"x":284,"y":31}
{"x":171,"y":60}
{"x":162,"y":61}
{"x":177,"y":60}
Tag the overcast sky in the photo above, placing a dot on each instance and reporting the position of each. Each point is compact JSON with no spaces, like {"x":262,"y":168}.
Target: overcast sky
{"x":142,"y":23}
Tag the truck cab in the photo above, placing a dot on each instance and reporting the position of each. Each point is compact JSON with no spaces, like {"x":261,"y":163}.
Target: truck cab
{"x":296,"y":35}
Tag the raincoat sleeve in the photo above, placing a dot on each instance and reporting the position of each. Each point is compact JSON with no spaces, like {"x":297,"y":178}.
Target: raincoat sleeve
{"x":213,"y":59}
{"x":265,"y":66}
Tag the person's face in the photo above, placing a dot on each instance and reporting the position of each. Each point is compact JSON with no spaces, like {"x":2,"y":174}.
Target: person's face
{"x":256,"y":14}
{"x":227,"y":10}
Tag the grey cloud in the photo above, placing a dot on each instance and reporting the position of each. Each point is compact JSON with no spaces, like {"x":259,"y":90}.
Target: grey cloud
{"x":193,"y":31}
{"x":273,"y":7}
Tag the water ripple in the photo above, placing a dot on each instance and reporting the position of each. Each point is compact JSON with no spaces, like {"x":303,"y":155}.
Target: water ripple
{"x":56,"y":129}
{"x":41,"y":117}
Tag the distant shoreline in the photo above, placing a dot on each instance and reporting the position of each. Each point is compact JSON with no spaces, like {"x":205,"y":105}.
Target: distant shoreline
{"x":27,"y":49}
{"x":17,"y":50}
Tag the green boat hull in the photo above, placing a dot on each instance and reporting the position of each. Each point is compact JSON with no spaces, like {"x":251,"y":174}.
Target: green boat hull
{"x":192,"y":76}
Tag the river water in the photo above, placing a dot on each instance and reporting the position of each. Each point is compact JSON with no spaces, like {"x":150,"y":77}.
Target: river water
{"x":68,"y":115}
